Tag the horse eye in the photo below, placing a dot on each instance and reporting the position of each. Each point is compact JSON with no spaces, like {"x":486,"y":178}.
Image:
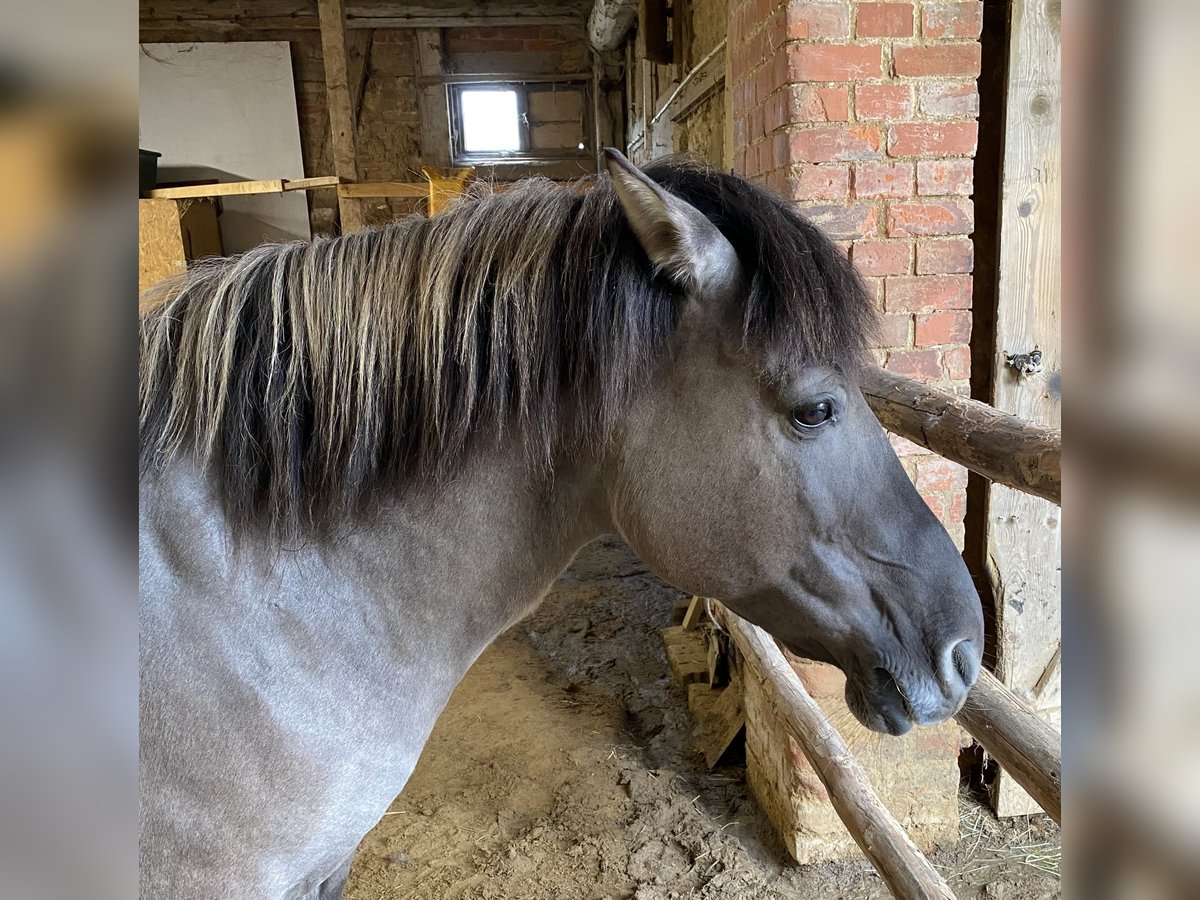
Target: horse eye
{"x":812,"y":415}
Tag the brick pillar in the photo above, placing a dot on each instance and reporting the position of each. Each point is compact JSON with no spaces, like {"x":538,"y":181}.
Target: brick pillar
{"x":865,"y":114}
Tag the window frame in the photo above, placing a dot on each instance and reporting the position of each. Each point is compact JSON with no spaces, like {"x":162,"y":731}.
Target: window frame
{"x":526,"y":154}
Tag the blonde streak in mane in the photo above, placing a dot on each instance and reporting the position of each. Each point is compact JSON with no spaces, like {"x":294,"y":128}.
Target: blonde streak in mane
{"x":315,"y":307}
{"x":485,"y":230}
{"x":404,"y":291}
{"x":186,"y":309}
{"x":214,"y":348}
{"x":373,"y":330}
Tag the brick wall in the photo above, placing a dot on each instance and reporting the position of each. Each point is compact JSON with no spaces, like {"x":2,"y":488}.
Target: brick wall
{"x":865,"y":114}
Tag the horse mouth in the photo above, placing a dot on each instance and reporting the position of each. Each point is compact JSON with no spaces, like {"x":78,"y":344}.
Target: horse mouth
{"x":885,"y":711}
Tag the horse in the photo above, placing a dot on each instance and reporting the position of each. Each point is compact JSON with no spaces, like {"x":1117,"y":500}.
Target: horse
{"x":364,"y":457}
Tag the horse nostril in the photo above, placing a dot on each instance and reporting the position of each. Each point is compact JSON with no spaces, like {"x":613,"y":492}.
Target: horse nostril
{"x":961,"y":663}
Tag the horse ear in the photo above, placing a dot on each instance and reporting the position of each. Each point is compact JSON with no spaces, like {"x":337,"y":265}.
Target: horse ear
{"x":679,"y":239}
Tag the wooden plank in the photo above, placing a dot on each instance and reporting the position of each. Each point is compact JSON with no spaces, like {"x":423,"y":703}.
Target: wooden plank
{"x":460,"y":21}
{"x":694,"y":614}
{"x":433,"y":99}
{"x":342,"y":135}
{"x":905,"y":870}
{"x":489,"y":77}
{"x":446,"y":185}
{"x":1028,"y":749}
{"x":1024,"y":533}
{"x":1002,"y":447}
{"x":311,"y":184}
{"x":377,"y":189}
{"x":720,"y":717}
{"x":220,"y":189}
{"x":687,"y":653}
{"x":160,"y":243}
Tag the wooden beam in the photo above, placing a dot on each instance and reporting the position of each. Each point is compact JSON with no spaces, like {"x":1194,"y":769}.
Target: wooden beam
{"x":998,"y":446}
{"x":1025,"y":747}
{"x":304,"y":13}
{"x":432,"y":101}
{"x":905,"y":870}
{"x":1024,"y":534}
{"x":473,"y":77}
{"x":378,"y":189}
{"x":311,"y":184}
{"x":489,"y":21}
{"x":342,"y":135}
{"x":219,"y":189}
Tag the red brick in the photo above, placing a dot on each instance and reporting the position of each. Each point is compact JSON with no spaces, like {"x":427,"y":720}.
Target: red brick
{"x":881,"y":257}
{"x":913,"y":293}
{"x":883,"y":101}
{"x":948,"y":99}
{"x":937,"y":59}
{"x":952,"y":20}
{"x":945,"y":257}
{"x":935,"y":474}
{"x":883,"y":179}
{"x":930,"y":217}
{"x":945,"y":176}
{"x":807,"y":21}
{"x":958,"y":363}
{"x":821,"y":680}
{"x":814,"y":103}
{"x":834,"y":62}
{"x":933,"y":138}
{"x":884,"y":20}
{"x":825,"y":182}
{"x":925,"y":364}
{"x":942,"y":328}
{"x":894,"y":331}
{"x":843,"y":221}
{"x":831,"y":144}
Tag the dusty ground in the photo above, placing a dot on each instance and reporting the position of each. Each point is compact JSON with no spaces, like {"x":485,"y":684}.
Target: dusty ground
{"x":563,"y":768}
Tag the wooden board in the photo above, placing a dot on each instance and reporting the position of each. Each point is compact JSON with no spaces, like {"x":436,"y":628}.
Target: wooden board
{"x":1024,"y":532}
{"x":687,"y":653}
{"x":160,"y":242}
{"x":432,"y":99}
{"x":373,"y":189}
{"x":342,"y":136}
{"x":311,"y":184}
{"x":220,"y":189}
{"x":720,"y":717}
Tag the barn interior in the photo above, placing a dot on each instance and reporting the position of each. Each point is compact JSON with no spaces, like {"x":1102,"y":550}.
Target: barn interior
{"x":627,"y":740}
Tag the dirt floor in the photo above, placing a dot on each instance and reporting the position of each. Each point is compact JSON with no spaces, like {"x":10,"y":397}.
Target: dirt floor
{"x":563,"y":768}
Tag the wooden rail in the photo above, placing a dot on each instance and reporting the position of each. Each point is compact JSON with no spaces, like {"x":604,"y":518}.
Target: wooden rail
{"x":903,"y":867}
{"x":998,"y":446}
{"x":1025,"y":746}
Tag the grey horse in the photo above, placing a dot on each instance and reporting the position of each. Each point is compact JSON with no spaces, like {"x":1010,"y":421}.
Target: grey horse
{"x":365,"y":457}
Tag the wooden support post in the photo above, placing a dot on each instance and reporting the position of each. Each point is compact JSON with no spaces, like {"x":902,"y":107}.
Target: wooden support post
{"x":432,"y":100}
{"x":342,"y":135}
{"x":999,"y":446}
{"x":905,"y":870}
{"x":1024,"y":534}
{"x":1026,"y":747}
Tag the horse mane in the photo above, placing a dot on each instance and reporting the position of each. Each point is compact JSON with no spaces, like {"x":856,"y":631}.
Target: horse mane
{"x":312,"y":377}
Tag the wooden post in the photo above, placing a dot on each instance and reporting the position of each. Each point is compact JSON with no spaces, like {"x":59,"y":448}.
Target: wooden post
{"x":1024,"y":534}
{"x":1026,"y":747}
{"x":342,"y":136}
{"x":1001,"y":447}
{"x":432,"y":100}
{"x":903,"y":867}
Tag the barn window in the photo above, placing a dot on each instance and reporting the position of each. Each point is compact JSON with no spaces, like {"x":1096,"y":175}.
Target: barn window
{"x":519,"y":121}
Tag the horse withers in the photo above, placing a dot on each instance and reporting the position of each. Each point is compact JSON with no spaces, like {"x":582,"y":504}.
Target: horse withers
{"x":365,"y":457}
